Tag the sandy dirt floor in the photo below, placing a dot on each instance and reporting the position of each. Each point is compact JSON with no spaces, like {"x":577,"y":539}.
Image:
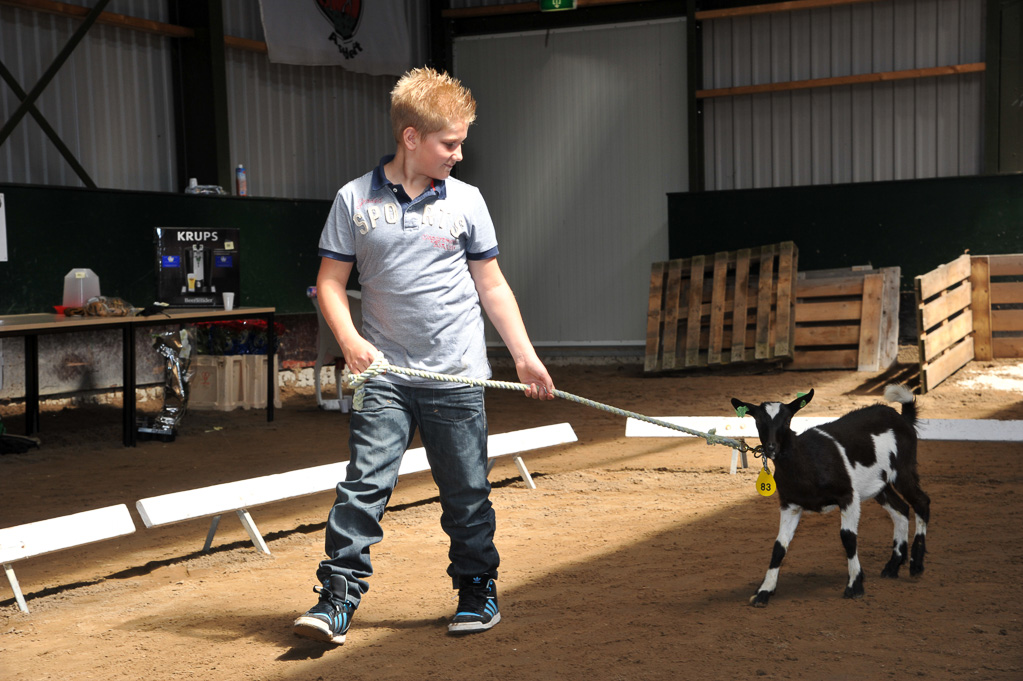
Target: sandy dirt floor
{"x":633,"y":559}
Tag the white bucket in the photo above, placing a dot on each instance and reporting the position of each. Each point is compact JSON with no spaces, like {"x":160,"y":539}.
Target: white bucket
{"x":80,"y":284}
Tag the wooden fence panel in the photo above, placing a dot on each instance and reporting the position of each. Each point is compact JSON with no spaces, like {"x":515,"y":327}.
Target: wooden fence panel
{"x":1004,"y":305}
{"x":944,"y":277}
{"x":724,"y":308}
{"x":944,"y":321}
{"x":847,"y":319}
{"x":655,"y":309}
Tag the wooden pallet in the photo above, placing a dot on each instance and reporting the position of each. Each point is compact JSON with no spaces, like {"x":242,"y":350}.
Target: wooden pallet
{"x":945,"y":321}
{"x":725,"y":308}
{"x":997,"y":305}
{"x":847,"y":319}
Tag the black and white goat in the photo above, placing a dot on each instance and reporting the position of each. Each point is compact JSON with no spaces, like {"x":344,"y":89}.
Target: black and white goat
{"x":868,"y":453}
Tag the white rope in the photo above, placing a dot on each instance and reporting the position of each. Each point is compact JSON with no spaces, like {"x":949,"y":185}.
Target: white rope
{"x":381,"y":366}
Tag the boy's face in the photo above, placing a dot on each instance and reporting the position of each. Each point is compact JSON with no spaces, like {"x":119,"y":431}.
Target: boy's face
{"x":438,"y":152}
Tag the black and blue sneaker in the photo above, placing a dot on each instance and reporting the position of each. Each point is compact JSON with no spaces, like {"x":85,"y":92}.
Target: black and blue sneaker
{"x":477,"y":605}
{"x":328,"y":620}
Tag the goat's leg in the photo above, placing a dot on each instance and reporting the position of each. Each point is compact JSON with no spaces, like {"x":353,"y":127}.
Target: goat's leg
{"x":899,"y":511}
{"x":850,"y":523}
{"x":921,"y":504}
{"x":790,"y":516}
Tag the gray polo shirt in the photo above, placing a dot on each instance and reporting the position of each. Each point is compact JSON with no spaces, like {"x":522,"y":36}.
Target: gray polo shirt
{"x":419,"y":303}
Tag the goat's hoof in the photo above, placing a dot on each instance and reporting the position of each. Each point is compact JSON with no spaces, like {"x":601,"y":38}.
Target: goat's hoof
{"x":891,"y":573}
{"x":855,"y":590}
{"x":759,"y":599}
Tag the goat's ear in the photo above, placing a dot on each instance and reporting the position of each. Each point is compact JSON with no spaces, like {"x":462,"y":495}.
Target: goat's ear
{"x":741,"y":408}
{"x":801,"y":401}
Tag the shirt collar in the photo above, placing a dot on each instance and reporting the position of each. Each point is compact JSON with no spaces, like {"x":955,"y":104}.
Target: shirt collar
{"x":379,"y":180}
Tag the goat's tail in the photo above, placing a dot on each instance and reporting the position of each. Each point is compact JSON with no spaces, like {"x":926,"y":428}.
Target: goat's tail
{"x":904,"y":396}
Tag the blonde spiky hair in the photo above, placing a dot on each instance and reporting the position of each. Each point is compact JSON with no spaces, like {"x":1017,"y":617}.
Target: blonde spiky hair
{"x":429,"y":102}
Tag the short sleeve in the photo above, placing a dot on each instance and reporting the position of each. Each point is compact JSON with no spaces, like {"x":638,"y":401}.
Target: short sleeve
{"x":337,"y":240}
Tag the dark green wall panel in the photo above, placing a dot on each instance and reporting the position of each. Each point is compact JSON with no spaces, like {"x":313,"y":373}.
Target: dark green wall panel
{"x":913,"y":224}
{"x":51,"y":230}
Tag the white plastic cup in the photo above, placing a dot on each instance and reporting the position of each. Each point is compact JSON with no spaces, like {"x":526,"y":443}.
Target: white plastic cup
{"x":228,"y":301}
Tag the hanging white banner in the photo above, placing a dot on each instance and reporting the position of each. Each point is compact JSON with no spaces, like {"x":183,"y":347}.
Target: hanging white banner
{"x":358,"y":35}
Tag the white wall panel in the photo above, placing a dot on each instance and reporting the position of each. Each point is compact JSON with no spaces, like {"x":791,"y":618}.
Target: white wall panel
{"x":579,"y":136}
{"x":929,"y":127}
{"x":110,"y":103}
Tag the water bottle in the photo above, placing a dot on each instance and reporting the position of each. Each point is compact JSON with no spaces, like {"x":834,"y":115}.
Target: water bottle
{"x":241,"y":184}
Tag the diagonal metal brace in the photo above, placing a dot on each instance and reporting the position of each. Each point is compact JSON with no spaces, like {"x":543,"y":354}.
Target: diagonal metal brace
{"x":48,"y":76}
{"x":12,"y":82}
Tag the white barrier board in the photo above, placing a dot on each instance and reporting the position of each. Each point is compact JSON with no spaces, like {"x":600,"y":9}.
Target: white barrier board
{"x":953,"y":430}
{"x":232,"y":496}
{"x":54,"y":534}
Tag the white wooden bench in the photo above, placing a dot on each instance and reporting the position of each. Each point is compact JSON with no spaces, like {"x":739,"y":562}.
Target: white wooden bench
{"x":46,"y":536}
{"x":950,"y":430}
{"x":241,"y":495}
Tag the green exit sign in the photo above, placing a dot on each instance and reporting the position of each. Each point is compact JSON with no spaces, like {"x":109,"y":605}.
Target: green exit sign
{"x":556,"y":5}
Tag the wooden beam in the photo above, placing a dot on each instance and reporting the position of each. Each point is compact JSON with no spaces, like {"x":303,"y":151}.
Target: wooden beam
{"x":28,"y":101}
{"x":492,"y":11}
{"x":134,"y":23}
{"x":952,"y":70}
{"x":106,"y":18}
{"x":980,"y":305}
{"x":245,"y":44}
{"x":771,"y":8}
{"x":525,"y":8}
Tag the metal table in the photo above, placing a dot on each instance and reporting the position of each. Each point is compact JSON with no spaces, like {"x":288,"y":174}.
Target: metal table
{"x":31,"y":326}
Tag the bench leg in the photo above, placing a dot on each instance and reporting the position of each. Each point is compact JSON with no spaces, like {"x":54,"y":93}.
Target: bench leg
{"x":250,"y":527}
{"x":209,"y":535}
{"x":521,"y":465}
{"x":735,"y":460}
{"x":524,"y":473}
{"x":18,"y":596}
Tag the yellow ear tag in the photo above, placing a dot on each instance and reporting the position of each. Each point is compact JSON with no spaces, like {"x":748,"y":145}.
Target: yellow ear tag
{"x":765,"y":483}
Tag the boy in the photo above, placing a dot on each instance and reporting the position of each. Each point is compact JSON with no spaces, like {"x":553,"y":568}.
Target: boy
{"x":426,"y":251}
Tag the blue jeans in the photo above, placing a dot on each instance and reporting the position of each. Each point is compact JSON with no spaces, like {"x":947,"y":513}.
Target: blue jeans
{"x":452,"y":423}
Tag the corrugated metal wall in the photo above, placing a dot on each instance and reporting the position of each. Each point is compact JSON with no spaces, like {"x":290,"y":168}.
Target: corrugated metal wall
{"x":579,"y":135}
{"x":303,"y":131}
{"x":904,"y":129}
{"x":300,"y":131}
{"x":110,"y":103}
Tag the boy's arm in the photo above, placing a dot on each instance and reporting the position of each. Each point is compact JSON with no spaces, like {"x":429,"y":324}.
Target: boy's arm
{"x":331,"y":285}
{"x":499,"y":302}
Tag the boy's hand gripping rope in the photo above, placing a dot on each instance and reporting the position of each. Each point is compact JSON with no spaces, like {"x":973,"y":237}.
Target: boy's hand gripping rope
{"x":381,"y":366}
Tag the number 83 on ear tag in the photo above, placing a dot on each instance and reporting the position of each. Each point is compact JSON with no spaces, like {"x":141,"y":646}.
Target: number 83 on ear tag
{"x":765,"y":483}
